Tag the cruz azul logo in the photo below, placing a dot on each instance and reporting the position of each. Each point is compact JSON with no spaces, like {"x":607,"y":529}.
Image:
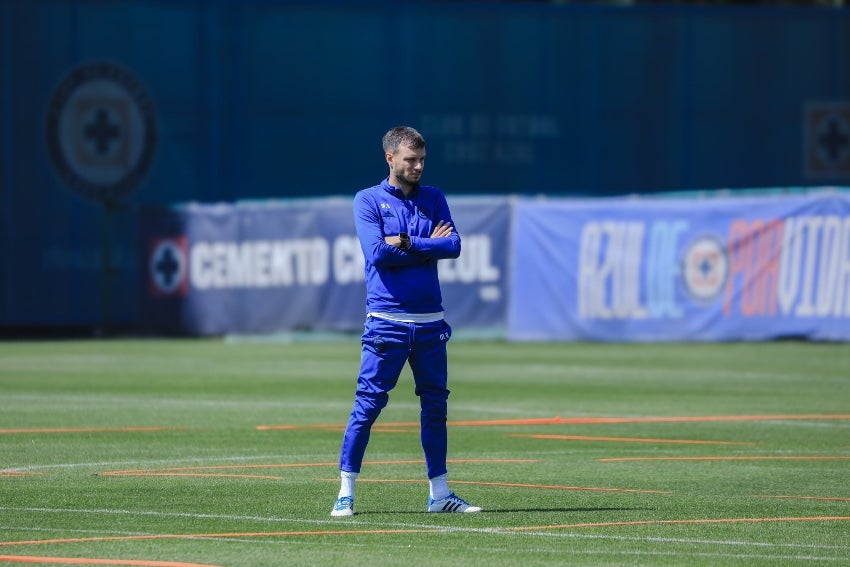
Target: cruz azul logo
{"x":168,"y":266}
{"x":101,"y":131}
{"x":827,"y":140}
{"x":706,"y":267}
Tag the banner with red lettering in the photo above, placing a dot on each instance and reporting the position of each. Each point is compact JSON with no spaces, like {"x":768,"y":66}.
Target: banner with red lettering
{"x":724,"y":269}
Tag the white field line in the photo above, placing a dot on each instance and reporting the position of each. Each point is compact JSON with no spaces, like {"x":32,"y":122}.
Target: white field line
{"x":831,"y":424}
{"x":684,"y":555}
{"x":172,"y":462}
{"x":89,"y":532}
{"x":289,"y":458}
{"x":490,"y":549}
{"x":352,"y":524}
{"x":81,"y":402}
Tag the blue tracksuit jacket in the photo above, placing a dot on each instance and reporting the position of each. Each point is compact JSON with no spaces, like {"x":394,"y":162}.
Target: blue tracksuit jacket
{"x":403,"y":281}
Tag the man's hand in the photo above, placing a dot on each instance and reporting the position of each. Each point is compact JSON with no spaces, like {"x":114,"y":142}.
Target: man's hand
{"x":403,"y":240}
{"x":393,"y":241}
{"x":442,"y":229}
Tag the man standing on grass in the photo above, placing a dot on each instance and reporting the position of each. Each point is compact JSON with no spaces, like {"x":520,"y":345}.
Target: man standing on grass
{"x":404,"y":228}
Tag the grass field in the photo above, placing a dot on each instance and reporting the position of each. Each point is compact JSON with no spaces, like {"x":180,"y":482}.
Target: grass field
{"x":180,"y":452}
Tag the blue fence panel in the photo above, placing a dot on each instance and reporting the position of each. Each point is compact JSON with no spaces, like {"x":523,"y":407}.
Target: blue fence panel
{"x":280,"y":267}
{"x":754,"y":268}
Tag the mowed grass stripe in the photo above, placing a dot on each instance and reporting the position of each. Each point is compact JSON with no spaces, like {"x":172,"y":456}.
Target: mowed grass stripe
{"x":581,"y":421}
{"x":402,"y":531}
{"x":96,"y":561}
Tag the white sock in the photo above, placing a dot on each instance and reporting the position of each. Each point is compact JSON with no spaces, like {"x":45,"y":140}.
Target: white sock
{"x":439,"y":487}
{"x":346,"y":485}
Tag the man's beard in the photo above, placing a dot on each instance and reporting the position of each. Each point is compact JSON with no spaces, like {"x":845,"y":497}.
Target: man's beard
{"x":413,"y":184}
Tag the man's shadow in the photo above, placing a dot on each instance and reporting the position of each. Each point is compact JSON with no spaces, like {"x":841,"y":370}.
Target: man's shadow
{"x":503,"y":511}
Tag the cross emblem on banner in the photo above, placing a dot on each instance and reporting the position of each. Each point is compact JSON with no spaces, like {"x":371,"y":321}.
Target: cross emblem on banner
{"x":827,"y":140}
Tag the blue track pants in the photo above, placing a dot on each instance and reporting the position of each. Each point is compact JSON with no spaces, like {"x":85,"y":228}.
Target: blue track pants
{"x":386,"y":346}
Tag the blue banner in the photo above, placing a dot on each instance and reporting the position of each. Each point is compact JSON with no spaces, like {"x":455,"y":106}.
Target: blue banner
{"x":681,"y":269}
{"x":221,"y":269}
{"x":475,"y":291}
{"x":267,"y":267}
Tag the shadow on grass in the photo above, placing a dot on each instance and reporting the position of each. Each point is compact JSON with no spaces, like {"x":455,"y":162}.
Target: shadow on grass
{"x":503,"y":511}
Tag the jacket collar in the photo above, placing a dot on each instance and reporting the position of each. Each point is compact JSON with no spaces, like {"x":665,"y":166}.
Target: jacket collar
{"x":393,"y":190}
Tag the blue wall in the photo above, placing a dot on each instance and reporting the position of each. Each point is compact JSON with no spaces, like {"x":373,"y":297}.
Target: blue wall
{"x":262,"y":98}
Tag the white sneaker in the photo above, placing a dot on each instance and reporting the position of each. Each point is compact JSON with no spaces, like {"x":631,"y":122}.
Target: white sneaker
{"x":451,"y":503}
{"x":343,"y":507}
